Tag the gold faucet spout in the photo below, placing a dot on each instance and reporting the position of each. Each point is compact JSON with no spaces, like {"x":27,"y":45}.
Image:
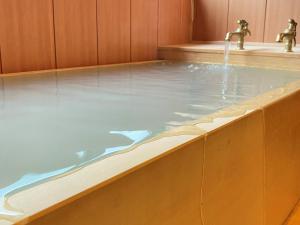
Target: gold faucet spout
{"x":280,"y":37}
{"x":289,"y":36}
{"x":229,"y":35}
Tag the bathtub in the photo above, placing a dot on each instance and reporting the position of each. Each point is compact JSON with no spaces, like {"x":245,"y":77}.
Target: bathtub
{"x":150,"y":143}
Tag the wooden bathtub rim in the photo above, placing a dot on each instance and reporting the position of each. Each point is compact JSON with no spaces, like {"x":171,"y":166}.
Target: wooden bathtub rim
{"x":192,"y":47}
{"x":41,"y":72}
{"x":260,"y":55}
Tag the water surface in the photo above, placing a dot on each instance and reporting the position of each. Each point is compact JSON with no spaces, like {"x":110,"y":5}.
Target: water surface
{"x":53,"y":123}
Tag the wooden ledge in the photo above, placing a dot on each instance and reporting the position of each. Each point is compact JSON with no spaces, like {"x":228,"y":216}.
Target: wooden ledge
{"x":255,"y":54}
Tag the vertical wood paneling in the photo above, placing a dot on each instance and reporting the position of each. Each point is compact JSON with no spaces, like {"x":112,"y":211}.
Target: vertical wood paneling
{"x":114,"y":31}
{"x":253,"y":11}
{"x":144,"y":24}
{"x":0,"y":61}
{"x":211,"y":20}
{"x":266,"y":18}
{"x":76,"y":32}
{"x":186,"y":21}
{"x":174,"y":22}
{"x":278,"y":13}
{"x":169,"y":21}
{"x":27,"y":38}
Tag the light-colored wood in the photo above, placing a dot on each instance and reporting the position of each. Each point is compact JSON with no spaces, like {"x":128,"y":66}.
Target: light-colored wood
{"x":282,"y":140}
{"x":233,"y":173}
{"x":175,"y":22}
{"x":75,"y":32}
{"x":144,"y":24}
{"x":265,"y":49}
{"x":26,"y":35}
{"x":266,"y":56}
{"x":211,"y":20}
{"x":76,"y":68}
{"x":243,"y":60}
{"x":278,"y":13}
{"x":113,"y":31}
{"x":253,"y":11}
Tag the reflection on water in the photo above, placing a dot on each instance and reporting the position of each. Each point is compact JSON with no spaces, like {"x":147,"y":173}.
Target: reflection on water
{"x":51,"y":124}
{"x":135,"y":136}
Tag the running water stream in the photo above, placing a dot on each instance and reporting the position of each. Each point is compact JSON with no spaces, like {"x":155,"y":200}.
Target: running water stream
{"x":227,"y":45}
{"x":226,"y":52}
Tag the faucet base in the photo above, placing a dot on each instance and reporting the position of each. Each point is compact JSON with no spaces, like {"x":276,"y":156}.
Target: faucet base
{"x":288,"y":46}
{"x":240,"y":44}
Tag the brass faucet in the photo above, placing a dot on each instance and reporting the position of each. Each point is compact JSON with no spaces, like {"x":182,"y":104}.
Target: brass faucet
{"x":288,"y":36}
{"x":240,"y":32}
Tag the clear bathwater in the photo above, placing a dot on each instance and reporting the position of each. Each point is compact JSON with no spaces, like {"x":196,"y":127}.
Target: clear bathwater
{"x":53,"y":123}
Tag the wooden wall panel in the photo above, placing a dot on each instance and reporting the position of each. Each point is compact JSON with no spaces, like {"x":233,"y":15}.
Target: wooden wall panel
{"x":211,"y":20}
{"x":0,"y":61}
{"x":186,"y":21}
{"x":114,"y":31}
{"x":27,"y":37}
{"x":253,"y":11}
{"x":75,"y":32}
{"x":175,"y":22}
{"x":278,"y":13}
{"x":144,"y":32}
{"x":266,"y":18}
{"x":169,"y":22}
